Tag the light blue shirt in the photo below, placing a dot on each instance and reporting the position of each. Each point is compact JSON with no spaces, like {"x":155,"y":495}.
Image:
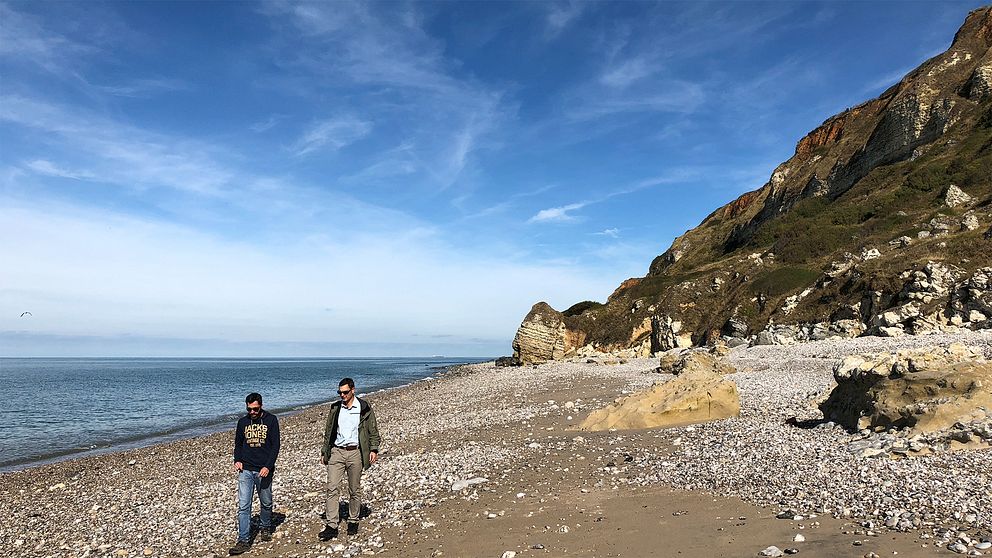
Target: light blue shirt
{"x":348,"y":424}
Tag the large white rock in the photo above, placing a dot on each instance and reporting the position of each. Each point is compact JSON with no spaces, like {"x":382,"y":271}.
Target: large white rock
{"x":956,"y":196}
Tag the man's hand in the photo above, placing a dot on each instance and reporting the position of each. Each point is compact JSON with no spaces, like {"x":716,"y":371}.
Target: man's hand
{"x":238,"y":466}
{"x":323,"y":460}
{"x":264,"y":472}
{"x":373,"y":456}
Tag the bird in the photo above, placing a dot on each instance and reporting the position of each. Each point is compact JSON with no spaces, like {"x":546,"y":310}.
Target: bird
{"x":26,"y":314}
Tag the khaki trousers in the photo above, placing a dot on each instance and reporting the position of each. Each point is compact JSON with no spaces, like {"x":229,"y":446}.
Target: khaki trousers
{"x":343,"y":461}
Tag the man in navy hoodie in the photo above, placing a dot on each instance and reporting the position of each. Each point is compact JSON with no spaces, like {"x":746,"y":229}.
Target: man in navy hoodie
{"x":256,"y":446}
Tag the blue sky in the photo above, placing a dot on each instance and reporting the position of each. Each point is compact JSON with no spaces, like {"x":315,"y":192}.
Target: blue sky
{"x":357,"y":178}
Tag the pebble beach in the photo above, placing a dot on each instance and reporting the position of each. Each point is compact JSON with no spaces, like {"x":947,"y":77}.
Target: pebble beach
{"x":486,"y":461}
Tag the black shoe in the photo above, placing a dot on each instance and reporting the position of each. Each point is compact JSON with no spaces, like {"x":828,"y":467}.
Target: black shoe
{"x":265,"y":535}
{"x":239,"y":548}
{"x":352,"y":528}
{"x":328,"y":533}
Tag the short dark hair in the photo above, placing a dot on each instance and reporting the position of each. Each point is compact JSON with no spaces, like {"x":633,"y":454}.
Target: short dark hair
{"x":347,"y":382}
{"x":253,"y":397}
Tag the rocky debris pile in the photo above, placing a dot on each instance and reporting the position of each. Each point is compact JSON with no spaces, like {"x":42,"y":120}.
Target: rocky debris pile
{"x":680,"y":362}
{"x":905,"y":443}
{"x":971,"y":301}
{"x":698,"y":393}
{"x":922,"y":391}
{"x":936,"y":298}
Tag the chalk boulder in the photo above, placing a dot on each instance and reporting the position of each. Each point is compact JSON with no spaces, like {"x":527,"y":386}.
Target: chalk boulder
{"x":925,"y":390}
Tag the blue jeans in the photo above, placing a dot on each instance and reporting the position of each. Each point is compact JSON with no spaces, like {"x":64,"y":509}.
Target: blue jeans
{"x":248,"y":482}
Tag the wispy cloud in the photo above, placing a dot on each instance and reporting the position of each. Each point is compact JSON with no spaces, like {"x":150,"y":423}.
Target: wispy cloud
{"x":561,"y":15}
{"x":563,"y":213}
{"x":23,"y":39}
{"x":144,"y":88}
{"x":267,"y":124}
{"x":627,"y":72}
{"x":440,"y":117}
{"x":612,"y":233}
{"x":882,"y":83}
{"x":119,"y":153}
{"x":557,"y":214}
{"x":333,"y":134}
{"x":46,"y":168}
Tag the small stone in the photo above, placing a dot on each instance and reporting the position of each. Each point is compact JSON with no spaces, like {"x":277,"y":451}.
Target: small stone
{"x":772,"y":551}
{"x":509,"y":554}
{"x":792,"y":551}
{"x":984,"y":545}
{"x":148,"y":551}
{"x":799,"y":538}
{"x":958,"y":547}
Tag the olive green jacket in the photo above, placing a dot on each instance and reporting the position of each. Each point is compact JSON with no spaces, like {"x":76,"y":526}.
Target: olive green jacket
{"x":368,"y":431}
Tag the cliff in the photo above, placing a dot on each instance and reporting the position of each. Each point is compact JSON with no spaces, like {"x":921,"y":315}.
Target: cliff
{"x":878,"y":224}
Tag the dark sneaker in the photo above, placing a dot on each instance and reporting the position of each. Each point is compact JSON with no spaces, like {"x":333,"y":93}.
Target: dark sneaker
{"x":352,"y":528}
{"x":328,"y":533}
{"x":239,"y":548}
{"x":265,"y":535}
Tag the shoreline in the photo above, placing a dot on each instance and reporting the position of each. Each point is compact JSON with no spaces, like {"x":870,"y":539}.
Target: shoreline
{"x":551,"y":490}
{"x":205,"y":428}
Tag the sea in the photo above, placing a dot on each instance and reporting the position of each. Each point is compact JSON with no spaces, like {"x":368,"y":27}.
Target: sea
{"x":54,"y":409}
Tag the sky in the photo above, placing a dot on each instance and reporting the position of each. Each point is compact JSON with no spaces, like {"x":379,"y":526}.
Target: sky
{"x":390,"y":179}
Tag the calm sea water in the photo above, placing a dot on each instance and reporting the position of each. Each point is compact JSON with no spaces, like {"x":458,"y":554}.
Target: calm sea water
{"x":63,"y":407}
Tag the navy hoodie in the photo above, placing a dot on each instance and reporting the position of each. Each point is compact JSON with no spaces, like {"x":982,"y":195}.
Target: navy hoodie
{"x":256,"y":442}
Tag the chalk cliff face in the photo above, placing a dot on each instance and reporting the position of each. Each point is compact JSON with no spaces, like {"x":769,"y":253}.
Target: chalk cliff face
{"x":879,"y":224}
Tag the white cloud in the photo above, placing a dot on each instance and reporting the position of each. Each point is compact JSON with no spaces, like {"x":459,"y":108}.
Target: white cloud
{"x":144,"y":88}
{"x":118,"y":153}
{"x":47,"y":168}
{"x":444,"y":118}
{"x":561,"y":15}
{"x":267,"y":124}
{"x":150,"y":278}
{"x":557,"y":214}
{"x":333,"y":133}
{"x":626,"y":73}
{"x":612,"y":233}
{"x":23,"y":39}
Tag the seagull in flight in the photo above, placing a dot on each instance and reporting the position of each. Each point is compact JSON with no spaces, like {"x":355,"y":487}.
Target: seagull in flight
{"x":26,"y":314}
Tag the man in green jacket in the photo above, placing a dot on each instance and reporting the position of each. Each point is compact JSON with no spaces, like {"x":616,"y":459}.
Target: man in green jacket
{"x":351,"y":444}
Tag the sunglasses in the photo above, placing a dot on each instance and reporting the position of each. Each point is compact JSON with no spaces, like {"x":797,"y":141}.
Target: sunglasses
{"x":346,"y":392}
{"x":254,"y":409}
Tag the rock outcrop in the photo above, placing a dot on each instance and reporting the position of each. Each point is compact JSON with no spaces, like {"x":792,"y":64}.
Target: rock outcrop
{"x":698,"y":394}
{"x":923,"y":390}
{"x":541,"y":336}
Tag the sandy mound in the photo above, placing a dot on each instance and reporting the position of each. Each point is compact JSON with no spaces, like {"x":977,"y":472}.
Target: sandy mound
{"x":698,"y":394}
